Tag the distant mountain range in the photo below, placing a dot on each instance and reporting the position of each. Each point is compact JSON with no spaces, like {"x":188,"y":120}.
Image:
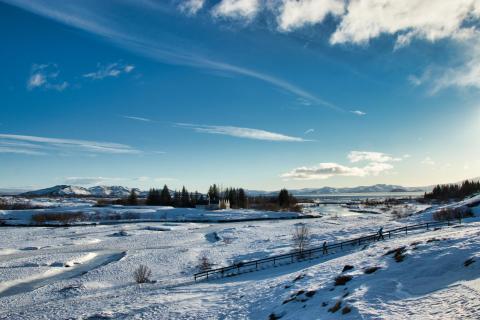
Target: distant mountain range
{"x":120,"y":192}
{"x":75,"y":191}
{"x":377,"y":188}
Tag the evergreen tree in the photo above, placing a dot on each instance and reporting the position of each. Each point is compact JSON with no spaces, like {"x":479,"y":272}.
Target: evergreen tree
{"x":165,"y":197}
{"x":153,"y":197}
{"x":177,"y":199}
{"x":242,"y":198}
{"x":213,"y":193}
{"x":185,"y":198}
{"x":284,"y":198}
{"x":132,"y":199}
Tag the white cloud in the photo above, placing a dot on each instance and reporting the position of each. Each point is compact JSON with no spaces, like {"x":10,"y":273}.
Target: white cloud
{"x":295,"y":14}
{"x":55,"y":144}
{"x":408,"y":19}
{"x":428,"y":161}
{"x":239,"y":132}
{"x":466,"y":75}
{"x":377,"y":163}
{"x":236,"y":9}
{"x":137,"y":118}
{"x":45,"y":76}
{"x":111,"y":70}
{"x":191,"y":7}
{"x":309,"y":131}
{"x":357,"y":156}
{"x":328,"y":170}
{"x":358,"y":112}
{"x":90,"y":180}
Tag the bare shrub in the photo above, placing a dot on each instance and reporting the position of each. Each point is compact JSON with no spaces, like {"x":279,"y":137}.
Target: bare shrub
{"x":335,"y":307}
{"x":468,"y":262}
{"x":12,"y":205}
{"x":204,"y":263}
{"x":346,"y":310}
{"x":446,"y":214}
{"x":60,"y":217}
{"x":301,"y":237}
{"x":370,"y":270}
{"x":142,"y":274}
{"x":347,"y":267}
{"x":342,"y":280}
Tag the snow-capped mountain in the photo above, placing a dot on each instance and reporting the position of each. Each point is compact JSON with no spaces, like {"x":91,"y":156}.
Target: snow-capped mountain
{"x":76,"y":191}
{"x":377,"y":188}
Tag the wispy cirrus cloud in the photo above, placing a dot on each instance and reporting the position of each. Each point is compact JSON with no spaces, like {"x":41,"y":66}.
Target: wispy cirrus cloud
{"x":191,"y":7}
{"x":240,"y":132}
{"x":124,"y":33}
{"x":137,"y":118}
{"x":45,"y":76}
{"x":358,"y":112}
{"x":35,"y":145}
{"x":428,"y":161}
{"x":110,"y":70}
{"x":357,"y":156}
{"x":375,"y":164}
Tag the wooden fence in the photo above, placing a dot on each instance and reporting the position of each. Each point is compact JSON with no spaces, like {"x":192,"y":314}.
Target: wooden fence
{"x":313,"y":253}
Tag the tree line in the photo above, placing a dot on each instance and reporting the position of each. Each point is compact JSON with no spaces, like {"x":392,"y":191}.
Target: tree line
{"x":453,"y":191}
{"x":237,"y":198}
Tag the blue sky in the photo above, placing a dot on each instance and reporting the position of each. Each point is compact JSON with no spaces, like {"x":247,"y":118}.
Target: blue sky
{"x":259,"y":94}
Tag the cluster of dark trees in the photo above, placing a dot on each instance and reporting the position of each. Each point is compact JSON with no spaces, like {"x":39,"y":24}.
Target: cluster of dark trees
{"x":453,"y":191}
{"x":236,"y":196}
{"x":182,"y":199}
{"x":283,"y":201}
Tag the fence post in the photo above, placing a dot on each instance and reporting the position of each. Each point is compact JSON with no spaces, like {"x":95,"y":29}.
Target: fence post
{"x":207,"y":275}
{"x":427,"y":225}
{"x":389,"y":235}
{"x":448,"y":222}
{"x":256,"y":265}
{"x":341,"y":245}
{"x":274,"y":261}
{"x":406,"y":229}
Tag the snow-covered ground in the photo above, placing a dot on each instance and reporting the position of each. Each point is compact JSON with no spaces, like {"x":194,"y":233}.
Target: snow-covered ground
{"x":87,"y":272}
{"x":111,"y":213}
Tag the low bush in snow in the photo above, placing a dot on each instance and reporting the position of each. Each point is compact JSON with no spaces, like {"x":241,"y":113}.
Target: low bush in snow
{"x":60,"y":217}
{"x":142,"y":274}
{"x":468,"y":262}
{"x":342,"y":280}
{"x":13,"y":205}
{"x":347,"y":267}
{"x":346,"y":310}
{"x":446,"y":214}
{"x":204,"y":263}
{"x":370,"y":270}
{"x":335,"y":307}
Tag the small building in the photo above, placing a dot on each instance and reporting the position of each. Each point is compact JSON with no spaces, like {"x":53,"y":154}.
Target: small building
{"x":215,"y":204}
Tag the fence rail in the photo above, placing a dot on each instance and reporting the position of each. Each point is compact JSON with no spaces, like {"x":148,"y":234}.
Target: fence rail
{"x":312,"y":253}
